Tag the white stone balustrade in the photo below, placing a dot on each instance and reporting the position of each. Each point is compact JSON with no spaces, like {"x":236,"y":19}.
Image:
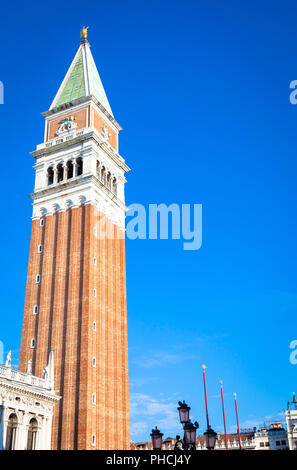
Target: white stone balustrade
{"x":22,"y":377}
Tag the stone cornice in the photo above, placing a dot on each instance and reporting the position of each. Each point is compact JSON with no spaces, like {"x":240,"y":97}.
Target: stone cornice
{"x":70,"y":184}
{"x":80,"y":139}
{"x":27,"y":389}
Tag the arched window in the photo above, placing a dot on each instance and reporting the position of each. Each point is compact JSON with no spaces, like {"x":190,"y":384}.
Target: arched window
{"x":11,"y":432}
{"x":103,"y":175}
{"x":108,"y":180}
{"x":32,"y":434}
{"x":50,"y":176}
{"x":114,"y":186}
{"x":98,"y":168}
{"x":69,"y":169}
{"x":60,"y":173}
{"x":79,"y":168}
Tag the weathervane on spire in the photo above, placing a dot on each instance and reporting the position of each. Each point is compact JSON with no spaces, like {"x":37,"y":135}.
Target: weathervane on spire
{"x":84,"y":32}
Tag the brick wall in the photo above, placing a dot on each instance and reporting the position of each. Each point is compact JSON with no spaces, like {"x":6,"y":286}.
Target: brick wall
{"x":67,"y":310}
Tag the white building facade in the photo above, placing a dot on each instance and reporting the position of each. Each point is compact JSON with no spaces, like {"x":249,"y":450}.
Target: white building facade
{"x":26,"y":408}
{"x":273,"y":437}
{"x":291,"y":420}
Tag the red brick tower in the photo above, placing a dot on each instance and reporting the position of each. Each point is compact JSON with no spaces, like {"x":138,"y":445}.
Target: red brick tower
{"x":76,"y":286}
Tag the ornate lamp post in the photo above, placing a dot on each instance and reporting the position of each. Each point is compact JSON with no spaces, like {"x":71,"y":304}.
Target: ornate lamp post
{"x":190,"y":434}
{"x":184,"y":412}
{"x":210,"y":438}
{"x":210,"y":434}
{"x":189,"y":440}
{"x":156,"y":436}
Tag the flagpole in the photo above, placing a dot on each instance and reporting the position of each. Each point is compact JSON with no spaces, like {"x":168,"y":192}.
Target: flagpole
{"x":224,"y":417}
{"x":205,"y":393}
{"x":238,"y":430}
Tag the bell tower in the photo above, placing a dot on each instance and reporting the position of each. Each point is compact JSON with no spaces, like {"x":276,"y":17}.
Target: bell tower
{"x":75,"y":298}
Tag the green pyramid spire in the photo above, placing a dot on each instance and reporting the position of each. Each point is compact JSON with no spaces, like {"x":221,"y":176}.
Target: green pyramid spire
{"x":82,"y":79}
{"x":75,"y":85}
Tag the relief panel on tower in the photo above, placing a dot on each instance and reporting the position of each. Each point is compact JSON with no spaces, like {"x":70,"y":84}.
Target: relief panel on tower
{"x":78,"y":118}
{"x":106,"y":132}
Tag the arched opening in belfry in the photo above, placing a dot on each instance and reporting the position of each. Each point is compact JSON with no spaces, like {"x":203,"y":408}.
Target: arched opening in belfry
{"x":108,"y":180}
{"x":69,"y":169}
{"x":98,"y":169}
{"x":60,"y":173}
{"x":50,"y":176}
{"x":32,"y":434}
{"x":79,"y":166}
{"x":114,"y":186}
{"x":103,"y":175}
{"x":11,"y":430}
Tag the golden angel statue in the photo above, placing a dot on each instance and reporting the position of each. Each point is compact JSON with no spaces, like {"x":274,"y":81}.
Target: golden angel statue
{"x":84,"y":32}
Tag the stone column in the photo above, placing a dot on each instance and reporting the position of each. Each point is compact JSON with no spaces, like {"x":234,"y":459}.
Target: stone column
{"x":55,"y":175}
{"x":39,"y":434}
{"x":74,"y":168}
{"x":2,"y":428}
{"x":5,"y":423}
{"x":22,"y":431}
{"x":64,"y":171}
{"x":47,"y":432}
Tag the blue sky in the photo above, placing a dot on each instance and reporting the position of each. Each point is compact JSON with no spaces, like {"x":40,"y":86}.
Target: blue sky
{"x":202,"y":92}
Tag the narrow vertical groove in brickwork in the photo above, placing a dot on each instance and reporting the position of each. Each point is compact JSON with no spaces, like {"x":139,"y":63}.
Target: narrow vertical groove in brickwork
{"x":85,"y":355}
{"x":125,"y":346}
{"x":108,"y":346}
{"x":99,"y":339}
{"x":117,"y":326}
{"x":62,"y":373}
{"x":45,"y":292}
{"x":39,"y":266}
{"x":28,"y":330}
{"x":97,"y":318}
{"x":58,"y":311}
{"x":104,"y":341}
{"x":79,"y":329}
{"x":53,"y":285}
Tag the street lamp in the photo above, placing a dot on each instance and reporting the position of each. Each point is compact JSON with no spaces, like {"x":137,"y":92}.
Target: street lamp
{"x":190,"y":433}
{"x":156,"y":436}
{"x":189,"y":440}
{"x":184,"y":412}
{"x":210,"y":438}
